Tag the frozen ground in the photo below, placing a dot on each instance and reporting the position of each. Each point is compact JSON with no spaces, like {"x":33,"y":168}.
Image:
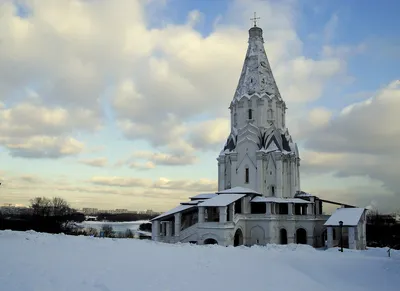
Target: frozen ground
{"x":33,"y":261}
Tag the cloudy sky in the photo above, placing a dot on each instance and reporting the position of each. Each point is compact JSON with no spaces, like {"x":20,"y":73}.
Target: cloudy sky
{"x":124,"y":104}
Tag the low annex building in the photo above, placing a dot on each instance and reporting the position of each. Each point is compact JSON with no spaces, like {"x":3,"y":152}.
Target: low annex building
{"x":259,"y":198}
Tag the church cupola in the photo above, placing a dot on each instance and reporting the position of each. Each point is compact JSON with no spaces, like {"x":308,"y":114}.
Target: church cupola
{"x":256,"y":32}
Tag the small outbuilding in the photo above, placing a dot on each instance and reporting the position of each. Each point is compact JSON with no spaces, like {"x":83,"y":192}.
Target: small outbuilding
{"x":348,"y":224}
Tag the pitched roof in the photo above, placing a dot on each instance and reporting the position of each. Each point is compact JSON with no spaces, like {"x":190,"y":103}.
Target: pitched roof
{"x":203,"y":196}
{"x":193,"y":202}
{"x":173,"y":211}
{"x":279,"y":200}
{"x":221,"y":200}
{"x":349,"y":216}
{"x":239,"y":190}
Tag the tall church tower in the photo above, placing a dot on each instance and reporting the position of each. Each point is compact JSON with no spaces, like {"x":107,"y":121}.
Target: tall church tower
{"x":259,"y":153}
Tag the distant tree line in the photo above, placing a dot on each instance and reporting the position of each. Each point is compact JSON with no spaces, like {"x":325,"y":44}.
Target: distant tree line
{"x":55,"y":215}
{"x":47,"y":215}
{"x":383,"y":230}
{"x":116,"y":217}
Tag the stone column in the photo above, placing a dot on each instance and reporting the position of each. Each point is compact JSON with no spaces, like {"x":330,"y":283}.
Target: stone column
{"x":156,"y":230}
{"x":298,"y":174}
{"x":284,"y":177}
{"x":234,"y":178}
{"x":352,"y":238}
{"x":168,"y":226}
{"x":268,"y":209}
{"x":178,"y":217}
{"x":310,"y":209}
{"x":221,"y":173}
{"x":290,"y":208}
{"x":162,"y":228}
{"x":231,"y":211}
{"x":201,"y":214}
{"x":222,"y":214}
{"x":279,"y":189}
{"x":330,"y":237}
{"x":292,"y":178}
{"x":246,"y":205}
{"x":260,"y":172}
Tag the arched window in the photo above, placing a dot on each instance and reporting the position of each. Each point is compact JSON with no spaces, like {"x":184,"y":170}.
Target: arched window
{"x":250,"y":112}
{"x":246,"y":176}
{"x":273,"y":190}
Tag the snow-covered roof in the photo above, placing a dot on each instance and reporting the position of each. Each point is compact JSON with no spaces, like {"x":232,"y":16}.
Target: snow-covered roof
{"x":239,"y":190}
{"x":303,"y":194}
{"x":221,"y":200}
{"x":173,"y":211}
{"x":193,"y":202}
{"x":203,"y":196}
{"x":349,"y":216}
{"x":278,"y":200}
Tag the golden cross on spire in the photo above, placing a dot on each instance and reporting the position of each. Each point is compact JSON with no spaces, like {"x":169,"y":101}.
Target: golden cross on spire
{"x":254,"y":19}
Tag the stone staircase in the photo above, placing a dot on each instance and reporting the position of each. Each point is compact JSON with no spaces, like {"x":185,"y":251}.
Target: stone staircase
{"x":188,"y":234}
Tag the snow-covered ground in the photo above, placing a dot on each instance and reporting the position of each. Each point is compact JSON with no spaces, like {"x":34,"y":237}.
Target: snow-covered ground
{"x":35,"y":261}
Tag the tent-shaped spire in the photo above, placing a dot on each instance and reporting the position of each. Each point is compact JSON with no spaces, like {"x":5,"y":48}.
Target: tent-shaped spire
{"x":256,"y":76}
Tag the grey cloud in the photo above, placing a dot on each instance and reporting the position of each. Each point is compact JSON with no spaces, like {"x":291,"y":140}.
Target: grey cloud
{"x":362,"y":141}
{"x":369,"y":127}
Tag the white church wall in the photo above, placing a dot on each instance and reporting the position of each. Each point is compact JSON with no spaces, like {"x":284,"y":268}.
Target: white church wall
{"x":270,"y":176}
{"x":246,"y":159}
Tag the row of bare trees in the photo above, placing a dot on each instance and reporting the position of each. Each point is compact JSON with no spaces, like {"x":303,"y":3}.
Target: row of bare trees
{"x":53,"y":215}
{"x":383,"y":230}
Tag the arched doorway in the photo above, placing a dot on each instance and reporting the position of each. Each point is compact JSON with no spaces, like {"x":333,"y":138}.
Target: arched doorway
{"x":301,"y":236}
{"x":238,"y":240}
{"x":283,"y":236}
{"x":210,"y":241}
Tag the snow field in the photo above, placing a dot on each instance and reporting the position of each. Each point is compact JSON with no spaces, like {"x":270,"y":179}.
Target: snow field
{"x":45,"y":262}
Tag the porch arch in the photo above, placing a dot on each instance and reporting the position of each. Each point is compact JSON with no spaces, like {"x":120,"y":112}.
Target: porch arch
{"x":301,"y":236}
{"x":238,"y":238}
{"x":283,"y":236}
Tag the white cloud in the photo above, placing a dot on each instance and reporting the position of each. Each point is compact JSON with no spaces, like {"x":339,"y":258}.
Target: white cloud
{"x":43,"y":147}
{"x":142,"y":166}
{"x":210,"y":133}
{"x":145,"y":160}
{"x":164,"y":77}
{"x":96,"y":162}
{"x":189,"y":186}
{"x":120,"y":181}
{"x":202,"y":185}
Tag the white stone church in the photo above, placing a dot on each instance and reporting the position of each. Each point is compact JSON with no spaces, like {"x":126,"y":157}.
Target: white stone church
{"x":259,"y":199}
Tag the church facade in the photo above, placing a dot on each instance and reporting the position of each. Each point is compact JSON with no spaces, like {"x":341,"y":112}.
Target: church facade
{"x":259,"y":199}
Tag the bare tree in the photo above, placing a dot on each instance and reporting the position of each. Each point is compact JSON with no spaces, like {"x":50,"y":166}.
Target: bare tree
{"x":41,"y":206}
{"x":129,"y":233}
{"x":107,"y":231}
{"x":60,"y":207}
{"x":92,"y":231}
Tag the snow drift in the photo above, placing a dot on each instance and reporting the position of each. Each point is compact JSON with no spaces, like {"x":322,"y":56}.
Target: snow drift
{"x":36,"y":261}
